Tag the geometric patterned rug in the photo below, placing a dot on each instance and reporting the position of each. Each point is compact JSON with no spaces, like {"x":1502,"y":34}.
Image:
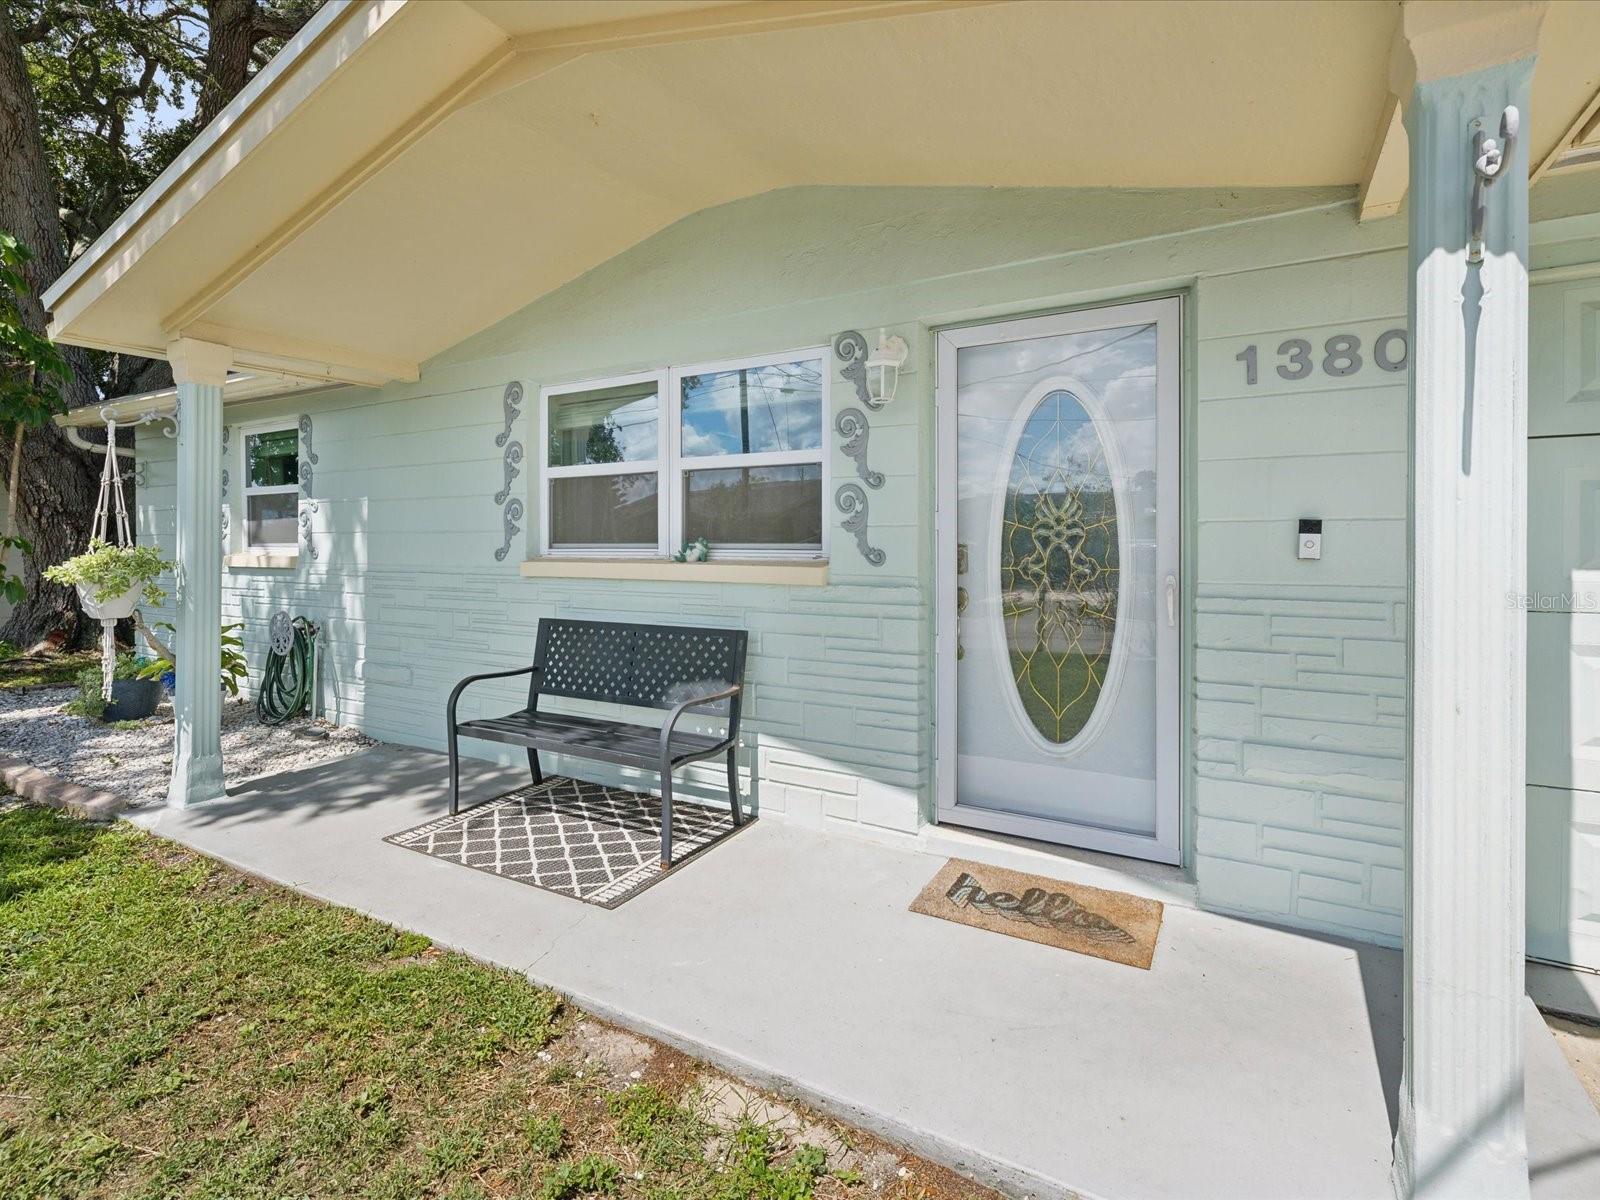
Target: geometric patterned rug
{"x":598,"y":844}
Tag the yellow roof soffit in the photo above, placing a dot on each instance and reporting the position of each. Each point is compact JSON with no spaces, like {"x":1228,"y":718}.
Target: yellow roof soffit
{"x":543,"y":138}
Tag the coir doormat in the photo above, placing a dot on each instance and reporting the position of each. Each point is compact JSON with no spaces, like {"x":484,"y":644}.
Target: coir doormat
{"x":598,"y":844}
{"x":1069,"y":916}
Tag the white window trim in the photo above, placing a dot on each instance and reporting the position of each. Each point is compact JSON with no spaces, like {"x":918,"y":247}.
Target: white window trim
{"x":639,"y":466}
{"x":277,"y":425}
{"x":670,"y":463}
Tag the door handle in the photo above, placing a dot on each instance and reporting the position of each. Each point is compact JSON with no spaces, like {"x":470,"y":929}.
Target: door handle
{"x":1172,"y":601}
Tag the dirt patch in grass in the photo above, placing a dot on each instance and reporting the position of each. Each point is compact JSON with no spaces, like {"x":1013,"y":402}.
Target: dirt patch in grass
{"x":169,"y":1027}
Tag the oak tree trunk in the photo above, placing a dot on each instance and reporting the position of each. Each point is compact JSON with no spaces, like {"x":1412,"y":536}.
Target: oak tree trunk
{"x":57,"y":482}
{"x":233,"y":33}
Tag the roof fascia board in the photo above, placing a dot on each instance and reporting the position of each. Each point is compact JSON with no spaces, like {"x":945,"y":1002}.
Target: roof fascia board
{"x":759,"y":16}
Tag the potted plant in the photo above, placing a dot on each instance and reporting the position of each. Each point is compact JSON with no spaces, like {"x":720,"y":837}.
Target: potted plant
{"x":132,"y":698}
{"x":111,"y":579}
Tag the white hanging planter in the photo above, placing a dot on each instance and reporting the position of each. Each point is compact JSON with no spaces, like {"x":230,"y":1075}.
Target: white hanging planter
{"x":113,"y":608}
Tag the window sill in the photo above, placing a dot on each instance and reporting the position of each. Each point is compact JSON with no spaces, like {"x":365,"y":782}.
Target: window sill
{"x":810,"y":572}
{"x":260,"y":560}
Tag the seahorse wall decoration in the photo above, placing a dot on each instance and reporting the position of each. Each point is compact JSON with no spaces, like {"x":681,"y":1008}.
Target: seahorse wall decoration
{"x":851,"y":500}
{"x":512,"y":509}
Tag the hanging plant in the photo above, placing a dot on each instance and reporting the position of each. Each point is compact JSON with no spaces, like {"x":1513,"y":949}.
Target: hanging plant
{"x":106,"y":576}
{"x":110,"y":579}
{"x":111,"y":576}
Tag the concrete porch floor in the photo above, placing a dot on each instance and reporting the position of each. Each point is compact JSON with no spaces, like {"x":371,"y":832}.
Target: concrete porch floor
{"x":1248,"y":1062}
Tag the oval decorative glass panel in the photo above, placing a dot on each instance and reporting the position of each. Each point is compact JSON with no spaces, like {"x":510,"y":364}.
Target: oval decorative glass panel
{"x":1059,"y":569}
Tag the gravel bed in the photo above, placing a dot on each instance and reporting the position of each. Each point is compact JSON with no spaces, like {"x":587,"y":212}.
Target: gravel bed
{"x":136,"y":759}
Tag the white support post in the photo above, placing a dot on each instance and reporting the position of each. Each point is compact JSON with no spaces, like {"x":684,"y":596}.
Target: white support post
{"x":1461,"y":1131}
{"x":200,"y":368}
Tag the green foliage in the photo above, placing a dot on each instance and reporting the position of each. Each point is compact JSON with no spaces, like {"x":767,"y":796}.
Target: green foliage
{"x":664,"y":1132}
{"x":11,"y":585}
{"x":109,"y":79}
{"x":49,"y":668}
{"x":32,"y":374}
{"x":227,"y":1038}
{"x":234,"y":665}
{"x":109,"y":571}
{"x":545,"y":1136}
{"x":750,"y":1172}
{"x":8,"y":651}
{"x":90,"y":702}
{"x":116,"y":84}
{"x":32,"y":371}
{"x":591,"y":1175}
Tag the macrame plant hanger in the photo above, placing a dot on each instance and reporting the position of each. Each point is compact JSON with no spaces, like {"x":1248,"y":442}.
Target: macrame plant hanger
{"x":110,"y":495}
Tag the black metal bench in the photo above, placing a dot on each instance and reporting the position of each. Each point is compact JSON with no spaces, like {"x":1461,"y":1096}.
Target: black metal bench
{"x":668,"y":667}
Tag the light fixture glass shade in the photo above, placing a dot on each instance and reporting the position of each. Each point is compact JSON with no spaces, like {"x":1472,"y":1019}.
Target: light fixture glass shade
{"x":883,"y":367}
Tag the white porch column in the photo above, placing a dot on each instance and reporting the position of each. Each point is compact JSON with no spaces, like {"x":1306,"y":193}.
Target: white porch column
{"x":1461,"y":1132}
{"x":199,"y":369}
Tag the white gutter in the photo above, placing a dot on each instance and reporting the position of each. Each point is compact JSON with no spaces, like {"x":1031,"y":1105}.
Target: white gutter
{"x":125,"y":410}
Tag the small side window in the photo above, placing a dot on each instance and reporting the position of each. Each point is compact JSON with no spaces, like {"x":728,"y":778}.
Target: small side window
{"x":271,"y":488}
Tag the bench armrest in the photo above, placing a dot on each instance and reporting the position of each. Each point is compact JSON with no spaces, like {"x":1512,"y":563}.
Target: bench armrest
{"x":683,"y":706}
{"x":455,"y":694}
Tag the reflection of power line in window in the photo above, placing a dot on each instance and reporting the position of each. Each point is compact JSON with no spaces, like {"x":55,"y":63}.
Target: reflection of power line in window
{"x":1057,"y":362}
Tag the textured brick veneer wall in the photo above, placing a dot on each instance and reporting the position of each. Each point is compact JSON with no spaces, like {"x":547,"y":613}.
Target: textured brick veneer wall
{"x":1300,"y":666}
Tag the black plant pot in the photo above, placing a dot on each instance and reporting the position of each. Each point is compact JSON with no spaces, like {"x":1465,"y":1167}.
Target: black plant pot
{"x":132,"y":699}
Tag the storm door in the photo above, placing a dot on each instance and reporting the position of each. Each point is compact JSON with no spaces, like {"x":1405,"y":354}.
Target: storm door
{"x":1058,"y":589}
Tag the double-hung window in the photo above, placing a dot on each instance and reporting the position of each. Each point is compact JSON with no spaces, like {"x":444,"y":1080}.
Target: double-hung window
{"x":271,"y":487}
{"x":731,"y":452}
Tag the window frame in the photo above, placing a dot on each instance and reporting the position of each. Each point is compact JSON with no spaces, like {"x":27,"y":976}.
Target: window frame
{"x":246,"y":489}
{"x":678,"y":464}
{"x":545,"y":473}
{"x":671,"y":464}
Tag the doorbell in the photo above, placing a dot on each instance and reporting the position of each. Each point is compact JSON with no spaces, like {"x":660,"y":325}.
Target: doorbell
{"x":1309,"y":540}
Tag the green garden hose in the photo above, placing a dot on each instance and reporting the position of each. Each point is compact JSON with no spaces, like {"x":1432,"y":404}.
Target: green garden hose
{"x":286,"y":679}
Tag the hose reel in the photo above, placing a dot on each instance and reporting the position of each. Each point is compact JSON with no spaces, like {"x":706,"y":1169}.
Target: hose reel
{"x":288,"y":680}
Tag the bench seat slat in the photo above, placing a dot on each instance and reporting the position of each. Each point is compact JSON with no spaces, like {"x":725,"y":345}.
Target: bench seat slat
{"x":589,"y":737}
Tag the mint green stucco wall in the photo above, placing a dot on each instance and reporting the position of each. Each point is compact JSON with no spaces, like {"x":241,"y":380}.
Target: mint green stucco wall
{"x":1296,"y":670}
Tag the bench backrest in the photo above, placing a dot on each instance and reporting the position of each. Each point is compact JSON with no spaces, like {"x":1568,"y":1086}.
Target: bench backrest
{"x":642,"y":666}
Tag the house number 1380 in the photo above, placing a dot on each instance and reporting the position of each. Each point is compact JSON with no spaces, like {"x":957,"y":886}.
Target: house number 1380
{"x":1341,"y":355}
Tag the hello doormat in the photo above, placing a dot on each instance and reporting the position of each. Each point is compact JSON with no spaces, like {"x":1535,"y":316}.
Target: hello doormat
{"x":598,"y":844}
{"x":1069,"y":916}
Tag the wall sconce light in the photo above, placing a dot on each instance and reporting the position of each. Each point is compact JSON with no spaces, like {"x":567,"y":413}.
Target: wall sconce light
{"x":883,"y":368}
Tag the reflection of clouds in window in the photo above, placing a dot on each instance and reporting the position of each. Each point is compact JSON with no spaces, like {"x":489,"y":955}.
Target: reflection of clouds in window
{"x":1113,"y":352}
{"x":1060,"y":445}
{"x":753,"y":410}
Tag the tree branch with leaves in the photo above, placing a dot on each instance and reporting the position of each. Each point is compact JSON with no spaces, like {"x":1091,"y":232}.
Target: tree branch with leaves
{"x":32,"y":374}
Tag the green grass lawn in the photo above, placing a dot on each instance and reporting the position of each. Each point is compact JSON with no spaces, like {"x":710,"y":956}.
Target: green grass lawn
{"x":170,"y":1027}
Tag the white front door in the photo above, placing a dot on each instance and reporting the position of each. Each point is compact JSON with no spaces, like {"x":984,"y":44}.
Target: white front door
{"x":1058,"y":588}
